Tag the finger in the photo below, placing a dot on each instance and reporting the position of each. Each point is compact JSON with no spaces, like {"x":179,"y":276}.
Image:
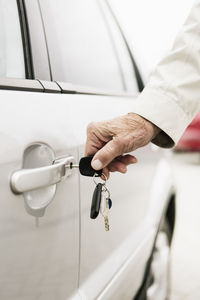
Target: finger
{"x":127,"y":159}
{"x":117,"y":166}
{"x":95,"y":139}
{"x":124,"y":162}
{"x":106,"y":154}
{"x":106,"y":172}
{"x":93,"y":144}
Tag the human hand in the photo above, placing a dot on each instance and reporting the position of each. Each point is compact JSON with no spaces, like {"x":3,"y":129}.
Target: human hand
{"x":110,"y":140}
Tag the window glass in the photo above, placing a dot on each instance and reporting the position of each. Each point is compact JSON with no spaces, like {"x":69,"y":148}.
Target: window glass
{"x":80,"y":48}
{"x":127,"y":68}
{"x":11,"y":49}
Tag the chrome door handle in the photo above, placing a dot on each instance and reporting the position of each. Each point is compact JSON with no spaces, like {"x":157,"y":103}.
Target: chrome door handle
{"x":26,"y":180}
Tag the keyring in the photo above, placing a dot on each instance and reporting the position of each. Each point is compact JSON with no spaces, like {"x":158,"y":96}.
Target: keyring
{"x":106,"y":190}
{"x":104,"y":182}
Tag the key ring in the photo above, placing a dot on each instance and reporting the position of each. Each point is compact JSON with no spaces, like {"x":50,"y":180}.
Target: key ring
{"x":104,"y":183}
{"x":106,"y":190}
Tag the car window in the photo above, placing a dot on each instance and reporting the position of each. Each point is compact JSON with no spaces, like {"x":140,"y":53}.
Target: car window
{"x":11,"y":49}
{"x":80,"y":48}
{"x":127,"y":62}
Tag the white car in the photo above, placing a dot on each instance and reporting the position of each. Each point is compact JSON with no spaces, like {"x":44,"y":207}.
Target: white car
{"x":64,"y":64}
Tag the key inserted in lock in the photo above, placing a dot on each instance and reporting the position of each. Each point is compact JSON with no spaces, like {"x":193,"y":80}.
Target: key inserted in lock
{"x":85,"y":167}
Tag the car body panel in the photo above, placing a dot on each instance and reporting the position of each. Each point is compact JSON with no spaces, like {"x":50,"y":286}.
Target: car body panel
{"x":117,"y":277}
{"x":190,"y":140}
{"x":129,"y":214}
{"x":65,"y":254}
{"x":51,"y":253}
{"x":37,"y":262}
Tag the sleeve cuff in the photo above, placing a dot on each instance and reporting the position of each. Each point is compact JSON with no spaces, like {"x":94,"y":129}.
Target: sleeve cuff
{"x":163,"y":111}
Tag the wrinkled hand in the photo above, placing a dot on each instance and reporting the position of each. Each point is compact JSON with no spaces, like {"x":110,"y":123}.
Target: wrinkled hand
{"x":110,"y":140}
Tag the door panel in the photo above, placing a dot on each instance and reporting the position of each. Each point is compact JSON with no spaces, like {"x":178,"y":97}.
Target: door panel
{"x":104,"y":254}
{"x":37,"y":262}
{"x":44,"y":262}
{"x":112,"y":261}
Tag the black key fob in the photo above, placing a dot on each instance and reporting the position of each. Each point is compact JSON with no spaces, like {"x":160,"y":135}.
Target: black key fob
{"x":85,"y":167}
{"x":96,"y":201}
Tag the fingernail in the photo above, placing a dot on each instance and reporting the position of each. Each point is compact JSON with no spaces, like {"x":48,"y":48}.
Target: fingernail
{"x":97,"y":165}
{"x":124,"y":170}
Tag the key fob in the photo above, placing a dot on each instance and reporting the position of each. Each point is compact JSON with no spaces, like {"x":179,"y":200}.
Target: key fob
{"x":110,"y":203}
{"x":96,"y":201}
{"x":85,"y":167}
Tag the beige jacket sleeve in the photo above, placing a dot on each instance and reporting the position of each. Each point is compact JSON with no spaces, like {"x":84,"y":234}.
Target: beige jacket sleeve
{"x":172,"y":97}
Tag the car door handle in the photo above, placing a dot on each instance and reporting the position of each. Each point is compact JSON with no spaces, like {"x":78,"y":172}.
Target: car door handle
{"x":26,"y":180}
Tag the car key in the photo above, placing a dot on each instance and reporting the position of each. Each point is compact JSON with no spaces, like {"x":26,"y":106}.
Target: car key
{"x":85,"y":167}
{"x":106,"y":205}
{"x":106,"y":220}
{"x":103,"y":202}
{"x":96,"y":201}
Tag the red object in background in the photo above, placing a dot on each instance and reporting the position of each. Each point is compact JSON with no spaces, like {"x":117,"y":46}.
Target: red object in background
{"x":190,"y":141}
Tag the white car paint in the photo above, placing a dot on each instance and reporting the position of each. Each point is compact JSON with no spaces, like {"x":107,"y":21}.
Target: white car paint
{"x":64,"y":254}
{"x":69,"y":254}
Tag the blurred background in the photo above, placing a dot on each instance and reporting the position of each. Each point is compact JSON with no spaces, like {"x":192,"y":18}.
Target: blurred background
{"x":155,"y":25}
{"x":151,"y":27}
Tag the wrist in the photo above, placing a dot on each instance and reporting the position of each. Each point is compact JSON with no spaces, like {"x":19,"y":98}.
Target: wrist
{"x":151,"y":128}
{"x":155,"y":130}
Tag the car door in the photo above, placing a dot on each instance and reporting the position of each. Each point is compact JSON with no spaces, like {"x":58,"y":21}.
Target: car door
{"x":85,"y":60}
{"x":60,"y":70}
{"x":39,"y":245}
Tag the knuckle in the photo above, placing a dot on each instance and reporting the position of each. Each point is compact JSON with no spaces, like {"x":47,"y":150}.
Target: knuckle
{"x":91,"y":126}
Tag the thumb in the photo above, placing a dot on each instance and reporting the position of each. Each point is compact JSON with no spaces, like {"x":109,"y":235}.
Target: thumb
{"x":106,"y":154}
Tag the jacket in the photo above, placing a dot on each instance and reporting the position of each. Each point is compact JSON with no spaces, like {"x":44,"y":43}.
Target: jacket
{"x":171,"y":98}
